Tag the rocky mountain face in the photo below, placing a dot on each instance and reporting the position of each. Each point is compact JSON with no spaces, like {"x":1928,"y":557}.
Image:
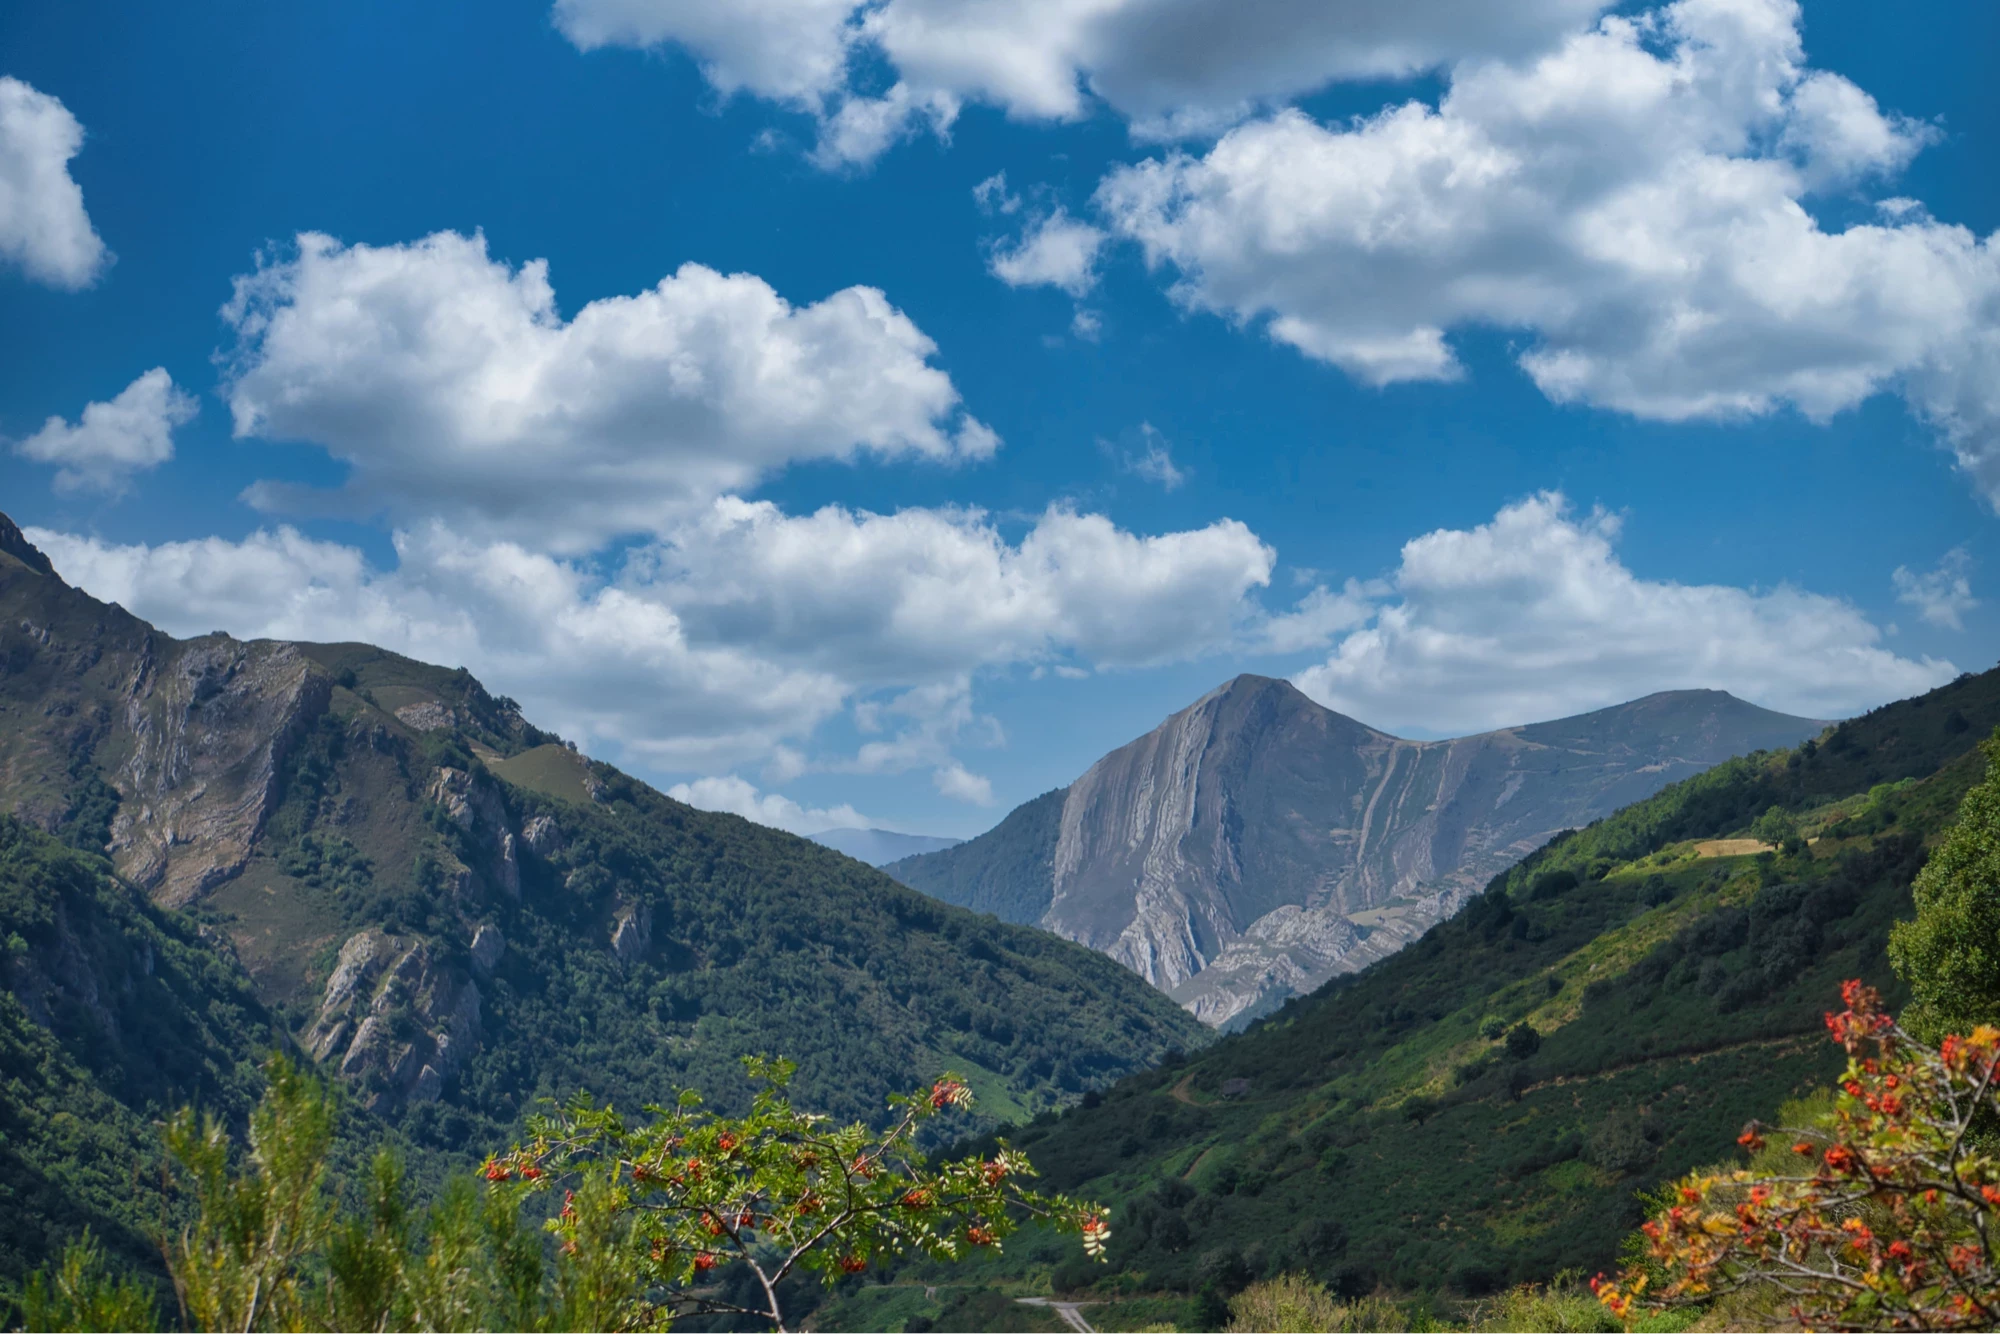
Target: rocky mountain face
{"x":1256,"y":844}
{"x":456,"y":913}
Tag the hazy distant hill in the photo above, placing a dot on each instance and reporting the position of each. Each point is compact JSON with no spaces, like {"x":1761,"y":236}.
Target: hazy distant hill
{"x":1255,"y":843}
{"x":458,"y":914}
{"x":880,"y":846}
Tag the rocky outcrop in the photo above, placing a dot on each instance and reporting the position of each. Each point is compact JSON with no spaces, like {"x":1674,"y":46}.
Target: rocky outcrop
{"x":543,"y":836}
{"x":393,"y":1020}
{"x":208,"y":725}
{"x":1256,"y":844}
{"x":15,"y":543}
{"x":426,"y":716}
{"x":487,"y":947}
{"x":472,"y":802}
{"x":632,"y":931}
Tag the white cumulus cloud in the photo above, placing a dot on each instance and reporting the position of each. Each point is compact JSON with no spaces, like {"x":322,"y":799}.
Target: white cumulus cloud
{"x":1055,"y":250}
{"x":1632,"y":204}
{"x":454,"y":387}
{"x":1170,"y":67}
{"x":731,"y":641}
{"x":611,"y":666}
{"x":740,"y":797}
{"x":44,"y":229}
{"x":111,"y":441}
{"x":1941,"y":596}
{"x":961,"y":784}
{"x":1533,"y":616}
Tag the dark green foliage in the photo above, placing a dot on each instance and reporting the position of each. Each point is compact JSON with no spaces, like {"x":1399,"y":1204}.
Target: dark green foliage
{"x":1005,"y":871}
{"x":1643,"y":1012}
{"x":1951,"y":953}
{"x":1911,"y":738}
{"x":93,"y":803}
{"x":762,"y":940}
{"x":112,"y":1013}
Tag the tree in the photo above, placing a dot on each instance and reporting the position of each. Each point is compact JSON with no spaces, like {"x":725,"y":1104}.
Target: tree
{"x":1950,"y":954}
{"x":1775,"y":826}
{"x":1890,"y":1218}
{"x":650,"y":1211}
{"x":83,"y":1294}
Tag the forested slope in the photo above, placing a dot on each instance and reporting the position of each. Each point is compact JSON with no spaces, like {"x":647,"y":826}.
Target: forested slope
{"x":113,"y":1014}
{"x":1484,"y":1107}
{"x":450,"y":911}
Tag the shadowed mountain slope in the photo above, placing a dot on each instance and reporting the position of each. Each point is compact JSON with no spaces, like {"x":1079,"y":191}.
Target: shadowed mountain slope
{"x":1255,"y":843}
{"x":456,"y":913}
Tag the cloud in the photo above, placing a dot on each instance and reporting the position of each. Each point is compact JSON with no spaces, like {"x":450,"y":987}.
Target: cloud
{"x":609,"y":665}
{"x":1154,"y":460}
{"x":1314,"y":622}
{"x":1941,"y":596}
{"x":960,"y":784}
{"x":1170,"y":67}
{"x":927,"y":594}
{"x":111,"y":441}
{"x":452,"y":385}
{"x":732,"y":640}
{"x":1532,"y":616}
{"x":1055,"y":250}
{"x":43,"y":227}
{"x":992,"y":196}
{"x":1631,"y":205}
{"x":734,"y":795}
{"x":789,"y":50}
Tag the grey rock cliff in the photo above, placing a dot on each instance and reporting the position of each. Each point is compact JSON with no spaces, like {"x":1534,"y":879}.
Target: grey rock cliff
{"x":1256,"y":844}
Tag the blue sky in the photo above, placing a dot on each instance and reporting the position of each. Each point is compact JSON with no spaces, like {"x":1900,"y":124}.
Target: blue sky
{"x":1712,"y":300}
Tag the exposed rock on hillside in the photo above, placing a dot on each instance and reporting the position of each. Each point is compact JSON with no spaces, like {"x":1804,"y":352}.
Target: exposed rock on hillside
{"x":380,"y":991}
{"x":1256,"y":844}
{"x":462,"y":908}
{"x":210,"y":722}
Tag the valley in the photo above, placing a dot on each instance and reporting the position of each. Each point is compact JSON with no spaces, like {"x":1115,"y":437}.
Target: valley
{"x":1528,"y":976}
{"x":455,"y":915}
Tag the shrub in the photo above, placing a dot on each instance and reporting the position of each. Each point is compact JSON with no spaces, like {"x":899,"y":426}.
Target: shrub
{"x":686,"y":1213}
{"x":1885,"y":1222}
{"x":1948,"y":954}
{"x":1293,"y":1302}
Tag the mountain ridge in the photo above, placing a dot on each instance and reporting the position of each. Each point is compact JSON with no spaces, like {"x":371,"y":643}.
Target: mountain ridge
{"x":1256,"y":843}
{"x":1492,"y":1105}
{"x":456,"y":913}
{"x":878,"y":846}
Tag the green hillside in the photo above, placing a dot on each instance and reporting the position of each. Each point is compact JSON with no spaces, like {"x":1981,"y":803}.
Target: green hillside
{"x":112,"y":1014}
{"x":744,"y":939}
{"x":1484,"y":1107}
{"x":449,"y":910}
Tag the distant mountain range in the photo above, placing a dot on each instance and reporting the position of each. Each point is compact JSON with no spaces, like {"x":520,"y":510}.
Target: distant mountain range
{"x":878,"y":847}
{"x":1256,"y":844}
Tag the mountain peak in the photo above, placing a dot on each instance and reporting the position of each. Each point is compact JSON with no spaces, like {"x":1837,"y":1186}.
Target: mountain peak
{"x":16,"y":544}
{"x":1250,"y":688}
